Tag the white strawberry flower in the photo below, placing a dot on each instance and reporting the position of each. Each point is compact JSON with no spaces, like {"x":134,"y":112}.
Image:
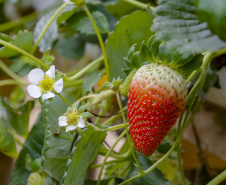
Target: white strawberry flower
{"x":71,"y":121}
{"x":44,"y":84}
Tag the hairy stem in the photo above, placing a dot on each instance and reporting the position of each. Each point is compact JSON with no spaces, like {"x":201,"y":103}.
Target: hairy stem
{"x":73,"y":83}
{"x":11,"y":74}
{"x":85,"y":69}
{"x":18,"y":22}
{"x":108,"y":162}
{"x":21,"y":21}
{"x":10,"y":82}
{"x":220,"y":52}
{"x":127,"y":132}
{"x":116,"y":127}
{"x":13,"y":47}
{"x":138,"y":4}
{"x":218,"y":179}
{"x":47,"y":26}
{"x":63,"y":98}
{"x":180,"y":165}
{"x":100,"y":41}
{"x":107,"y":155}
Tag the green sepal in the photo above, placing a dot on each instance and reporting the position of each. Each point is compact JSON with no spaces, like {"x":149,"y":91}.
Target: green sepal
{"x":115,"y":84}
{"x":132,"y":60}
{"x":131,"y":51}
{"x":135,"y":60}
{"x":86,"y":115}
{"x":146,"y":54}
{"x":58,"y":77}
{"x":75,"y":105}
{"x":153,"y":45}
{"x":80,"y":131}
{"x":190,"y":66}
{"x":128,"y":62}
{"x":82,"y":109}
{"x":161,"y":52}
{"x":124,"y":88}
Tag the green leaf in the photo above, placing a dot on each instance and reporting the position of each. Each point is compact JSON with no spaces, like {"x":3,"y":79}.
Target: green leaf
{"x":145,"y":54}
{"x":90,"y":80}
{"x":86,"y":115}
{"x":190,"y":66}
{"x":18,"y":118}
{"x":85,"y":152}
{"x":24,"y":41}
{"x":50,"y":35}
{"x":153,"y":178}
{"x":177,"y":22}
{"x":164,"y":147}
{"x":131,"y":29}
{"x":81,"y":22}
{"x":213,"y":12}
{"x":56,"y":148}
{"x":32,"y":147}
{"x":68,"y":11}
{"x":5,"y":37}
{"x":7,"y":143}
{"x":135,"y":60}
{"x":22,"y":65}
{"x":71,"y":47}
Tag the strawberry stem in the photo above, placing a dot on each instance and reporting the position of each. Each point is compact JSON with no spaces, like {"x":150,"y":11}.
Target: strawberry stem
{"x":114,"y":118}
{"x":108,"y":153}
{"x":127,"y":132}
{"x":63,"y":98}
{"x":47,"y":26}
{"x":100,"y":41}
{"x":218,"y":179}
{"x":82,"y":72}
{"x":23,"y":52}
{"x":180,"y":165}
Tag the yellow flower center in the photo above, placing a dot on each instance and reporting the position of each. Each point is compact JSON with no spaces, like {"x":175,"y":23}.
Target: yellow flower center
{"x":46,"y":84}
{"x":72,"y":118}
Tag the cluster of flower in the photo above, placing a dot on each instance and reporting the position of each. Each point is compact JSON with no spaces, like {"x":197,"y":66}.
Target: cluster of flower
{"x":45,"y":86}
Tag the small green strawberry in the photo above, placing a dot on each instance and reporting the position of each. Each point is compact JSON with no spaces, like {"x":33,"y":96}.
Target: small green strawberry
{"x":157,"y":96}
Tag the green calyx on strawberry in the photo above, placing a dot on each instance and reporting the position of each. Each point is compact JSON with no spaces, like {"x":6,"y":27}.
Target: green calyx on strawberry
{"x":158,"y":93}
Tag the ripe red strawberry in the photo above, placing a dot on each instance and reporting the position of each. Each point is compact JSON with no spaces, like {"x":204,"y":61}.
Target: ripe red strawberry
{"x":157,"y":96}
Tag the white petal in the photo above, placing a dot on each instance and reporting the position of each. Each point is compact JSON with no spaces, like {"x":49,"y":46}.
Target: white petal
{"x":58,"y":86}
{"x":51,"y":72}
{"x":34,"y":91}
{"x":47,"y":95}
{"x":70,"y":127}
{"x":81,"y":123}
{"x":62,"y":121}
{"x":68,"y":1}
{"x":35,"y":76}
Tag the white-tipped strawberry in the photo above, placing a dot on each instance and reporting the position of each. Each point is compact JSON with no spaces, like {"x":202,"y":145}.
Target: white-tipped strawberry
{"x":157,"y":96}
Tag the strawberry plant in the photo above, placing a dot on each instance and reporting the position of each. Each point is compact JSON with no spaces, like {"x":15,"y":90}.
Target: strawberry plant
{"x":80,"y":72}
